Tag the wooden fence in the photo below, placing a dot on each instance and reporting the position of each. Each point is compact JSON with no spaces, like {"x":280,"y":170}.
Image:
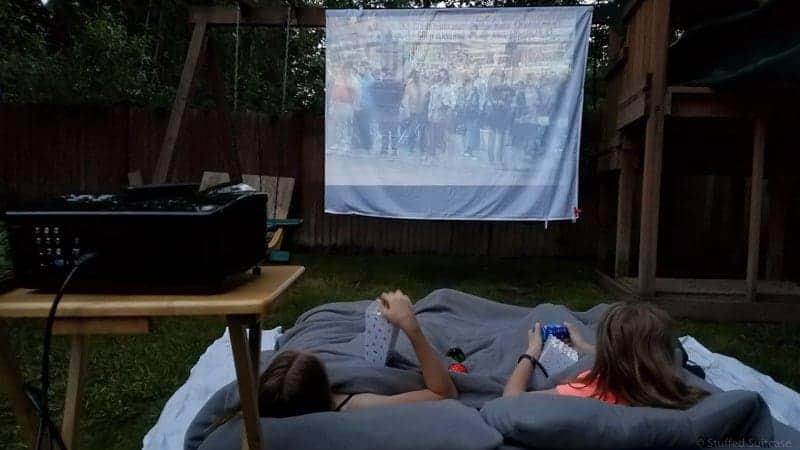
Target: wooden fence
{"x":48,"y":150}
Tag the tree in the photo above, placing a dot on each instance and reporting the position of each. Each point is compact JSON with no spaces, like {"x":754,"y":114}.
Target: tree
{"x":131,"y":52}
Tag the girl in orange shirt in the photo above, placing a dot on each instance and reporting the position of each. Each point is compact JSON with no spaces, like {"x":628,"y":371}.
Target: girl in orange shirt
{"x":634,"y":364}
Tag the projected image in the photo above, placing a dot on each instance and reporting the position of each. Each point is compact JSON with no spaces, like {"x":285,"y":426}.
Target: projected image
{"x":470,"y":98}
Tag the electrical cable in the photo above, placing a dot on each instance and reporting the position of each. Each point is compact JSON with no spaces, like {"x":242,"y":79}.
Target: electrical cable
{"x":44,"y":413}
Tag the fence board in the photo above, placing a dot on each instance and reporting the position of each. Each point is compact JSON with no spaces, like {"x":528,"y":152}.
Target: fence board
{"x":49,"y":150}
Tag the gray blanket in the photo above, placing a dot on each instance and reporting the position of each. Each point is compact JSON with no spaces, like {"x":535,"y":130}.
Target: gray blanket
{"x":492,"y":335}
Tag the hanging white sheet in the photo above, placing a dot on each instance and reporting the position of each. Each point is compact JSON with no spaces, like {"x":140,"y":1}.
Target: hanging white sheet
{"x":470,"y":113}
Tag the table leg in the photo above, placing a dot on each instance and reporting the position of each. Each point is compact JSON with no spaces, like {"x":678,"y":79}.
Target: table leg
{"x":78,"y":361}
{"x":248,"y":388}
{"x":254,"y":344}
{"x":12,"y":381}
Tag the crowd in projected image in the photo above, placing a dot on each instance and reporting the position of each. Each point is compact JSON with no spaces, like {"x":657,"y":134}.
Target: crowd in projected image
{"x":444,"y":102}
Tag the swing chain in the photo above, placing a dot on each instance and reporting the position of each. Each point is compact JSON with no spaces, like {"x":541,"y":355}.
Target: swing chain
{"x":236,"y":60}
{"x":286,"y":57}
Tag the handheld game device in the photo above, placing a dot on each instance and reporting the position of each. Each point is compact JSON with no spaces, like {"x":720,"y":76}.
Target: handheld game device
{"x":554,"y":329}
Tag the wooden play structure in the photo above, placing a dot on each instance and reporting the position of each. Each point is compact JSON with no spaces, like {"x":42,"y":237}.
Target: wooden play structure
{"x":690,"y":84}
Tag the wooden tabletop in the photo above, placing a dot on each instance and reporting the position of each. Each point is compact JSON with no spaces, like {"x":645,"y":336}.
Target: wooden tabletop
{"x":250,"y":297}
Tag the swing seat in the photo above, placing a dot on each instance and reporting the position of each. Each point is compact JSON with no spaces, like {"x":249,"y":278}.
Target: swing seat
{"x":279,"y":196}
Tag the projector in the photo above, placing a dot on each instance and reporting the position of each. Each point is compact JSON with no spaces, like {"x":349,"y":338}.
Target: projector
{"x":147,"y":237}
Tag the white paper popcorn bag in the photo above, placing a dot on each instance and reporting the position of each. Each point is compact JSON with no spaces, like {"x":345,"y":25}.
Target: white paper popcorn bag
{"x":379,"y":336}
{"x":556,"y":355}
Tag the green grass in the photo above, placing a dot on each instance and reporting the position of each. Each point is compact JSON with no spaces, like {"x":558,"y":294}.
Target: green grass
{"x":5,"y":259}
{"x":130,"y":378}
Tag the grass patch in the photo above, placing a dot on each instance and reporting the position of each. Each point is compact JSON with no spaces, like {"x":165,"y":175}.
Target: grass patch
{"x":130,"y":378}
{"x":5,"y":257}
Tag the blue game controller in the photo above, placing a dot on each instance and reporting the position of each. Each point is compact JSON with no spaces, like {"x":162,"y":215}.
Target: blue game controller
{"x":553,"y":329}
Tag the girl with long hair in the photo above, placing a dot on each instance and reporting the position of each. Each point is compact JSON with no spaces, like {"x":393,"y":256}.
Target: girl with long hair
{"x":296,"y":382}
{"x":635,"y":361}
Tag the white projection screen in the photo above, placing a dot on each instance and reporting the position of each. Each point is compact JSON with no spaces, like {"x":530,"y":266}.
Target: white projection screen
{"x":455,"y":113}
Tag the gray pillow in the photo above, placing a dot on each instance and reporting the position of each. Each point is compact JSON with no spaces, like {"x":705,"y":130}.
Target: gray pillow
{"x":224,"y":402}
{"x":550,"y":421}
{"x":731,"y":414}
{"x":441,"y":425}
{"x":218,"y":406}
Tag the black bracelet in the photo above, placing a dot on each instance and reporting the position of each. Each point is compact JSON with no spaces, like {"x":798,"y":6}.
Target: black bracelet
{"x":525,"y":356}
{"x":535,"y":362}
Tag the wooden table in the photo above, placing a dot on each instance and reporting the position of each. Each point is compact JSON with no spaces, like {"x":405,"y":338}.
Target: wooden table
{"x":81,"y":315}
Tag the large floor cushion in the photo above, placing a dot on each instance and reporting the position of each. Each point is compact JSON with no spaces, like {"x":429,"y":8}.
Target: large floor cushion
{"x":442,"y":425}
{"x":550,"y":421}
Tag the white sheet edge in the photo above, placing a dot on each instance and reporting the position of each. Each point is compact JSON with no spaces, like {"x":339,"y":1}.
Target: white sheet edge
{"x":213,"y":370}
{"x":729,"y":373}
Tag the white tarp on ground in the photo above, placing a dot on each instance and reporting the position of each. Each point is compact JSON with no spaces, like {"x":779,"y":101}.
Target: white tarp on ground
{"x":470,"y":113}
{"x":215,"y":369}
{"x":729,"y":373}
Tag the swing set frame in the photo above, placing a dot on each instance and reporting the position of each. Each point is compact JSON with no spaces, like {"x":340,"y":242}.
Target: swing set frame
{"x":201,"y":53}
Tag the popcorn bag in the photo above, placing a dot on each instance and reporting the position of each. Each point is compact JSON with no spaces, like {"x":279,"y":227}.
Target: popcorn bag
{"x":556,"y":355}
{"x":379,"y":336}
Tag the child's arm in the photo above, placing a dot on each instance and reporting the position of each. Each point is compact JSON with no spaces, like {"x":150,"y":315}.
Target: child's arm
{"x":578,"y":342}
{"x":396,"y":308}
{"x":518,"y":383}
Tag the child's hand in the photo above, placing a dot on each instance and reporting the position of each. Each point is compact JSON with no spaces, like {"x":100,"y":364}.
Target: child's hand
{"x":578,"y":342}
{"x":396,"y":308}
{"x":535,"y":341}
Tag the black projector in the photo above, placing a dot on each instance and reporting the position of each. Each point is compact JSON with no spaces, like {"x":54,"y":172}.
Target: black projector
{"x":147,"y":238}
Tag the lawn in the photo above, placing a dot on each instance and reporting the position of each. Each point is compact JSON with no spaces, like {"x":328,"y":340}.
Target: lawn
{"x":5,"y":259}
{"x":130,"y":378}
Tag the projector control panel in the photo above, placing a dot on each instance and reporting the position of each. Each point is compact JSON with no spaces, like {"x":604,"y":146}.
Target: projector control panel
{"x":54,"y":246}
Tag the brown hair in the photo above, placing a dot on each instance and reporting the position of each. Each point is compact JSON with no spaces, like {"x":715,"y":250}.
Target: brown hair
{"x":295,"y":383}
{"x":635,"y":358}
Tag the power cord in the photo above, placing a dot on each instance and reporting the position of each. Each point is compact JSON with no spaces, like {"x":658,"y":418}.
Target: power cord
{"x":39,"y":397}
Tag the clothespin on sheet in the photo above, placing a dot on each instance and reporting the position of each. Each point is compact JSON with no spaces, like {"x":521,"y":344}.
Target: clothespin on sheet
{"x":576,"y":214}
{"x":545,"y":224}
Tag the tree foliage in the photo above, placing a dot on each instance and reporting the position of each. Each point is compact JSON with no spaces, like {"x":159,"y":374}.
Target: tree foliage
{"x":132,"y":52}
